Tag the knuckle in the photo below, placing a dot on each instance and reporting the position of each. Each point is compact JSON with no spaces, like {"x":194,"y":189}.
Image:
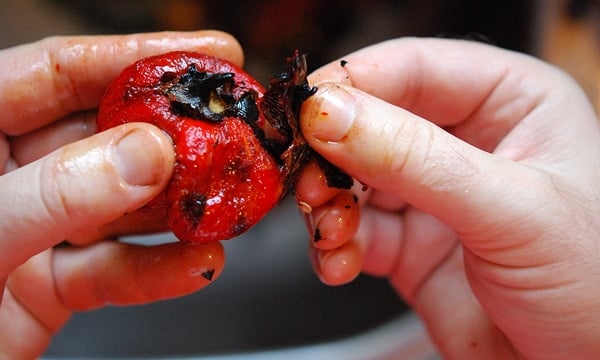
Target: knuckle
{"x":53,"y":180}
{"x":58,"y":54}
{"x":408,"y":151}
{"x":420,"y":154}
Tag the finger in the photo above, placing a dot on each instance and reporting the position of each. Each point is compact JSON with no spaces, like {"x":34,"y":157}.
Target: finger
{"x":335,"y":223}
{"x":311,"y":188}
{"x":16,"y":322}
{"x":425,"y":76}
{"x":407,"y":248}
{"x":337,"y":266}
{"x":386,"y":201}
{"x":31,"y":304}
{"x":140,"y":222}
{"x":42,"y":293}
{"x":35,"y":144}
{"x":79,"y":186}
{"x":478,"y":90}
{"x":445,"y":301}
{"x":422,"y":259}
{"x":52,"y":78}
{"x":123,"y":274}
{"x":405,"y":155}
{"x":381,"y":236}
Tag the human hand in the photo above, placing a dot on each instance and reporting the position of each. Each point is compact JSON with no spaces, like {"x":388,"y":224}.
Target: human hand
{"x":61,"y":183}
{"x":482,"y":205}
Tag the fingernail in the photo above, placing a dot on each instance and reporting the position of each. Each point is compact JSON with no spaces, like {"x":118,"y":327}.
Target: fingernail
{"x":140,"y":159}
{"x":333,"y":113}
{"x":304,"y":207}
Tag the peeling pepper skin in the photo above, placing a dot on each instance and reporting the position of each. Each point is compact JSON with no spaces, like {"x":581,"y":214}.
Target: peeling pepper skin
{"x":225,"y":179}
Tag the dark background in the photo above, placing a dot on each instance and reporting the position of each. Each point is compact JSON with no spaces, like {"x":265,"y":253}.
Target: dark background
{"x":270,"y":30}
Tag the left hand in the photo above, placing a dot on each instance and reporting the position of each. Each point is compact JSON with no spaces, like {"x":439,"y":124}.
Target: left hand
{"x":58,"y":182}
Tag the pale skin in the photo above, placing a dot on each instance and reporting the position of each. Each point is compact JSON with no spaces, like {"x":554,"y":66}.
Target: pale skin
{"x":482,"y":208}
{"x":60,"y":182}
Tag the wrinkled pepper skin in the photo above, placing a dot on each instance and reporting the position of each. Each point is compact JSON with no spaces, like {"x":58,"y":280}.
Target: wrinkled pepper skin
{"x":225,"y":178}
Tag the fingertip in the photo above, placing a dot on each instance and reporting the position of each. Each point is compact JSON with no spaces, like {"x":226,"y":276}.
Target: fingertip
{"x":338,"y":266}
{"x":204,"y":263}
{"x":311,"y":186}
{"x":224,"y":45}
{"x":177,"y":269}
{"x":336,"y":222}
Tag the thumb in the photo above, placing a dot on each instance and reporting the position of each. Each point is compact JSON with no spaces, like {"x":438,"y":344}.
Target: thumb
{"x":395,"y":151}
{"x":84,"y":184}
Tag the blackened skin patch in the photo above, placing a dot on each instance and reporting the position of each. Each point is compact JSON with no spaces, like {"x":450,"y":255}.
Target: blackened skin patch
{"x":207,"y":96}
{"x":241,"y":226}
{"x":317,"y":236}
{"x":281,"y":108}
{"x":334,"y":176}
{"x":192,"y":206}
{"x":208,"y":274}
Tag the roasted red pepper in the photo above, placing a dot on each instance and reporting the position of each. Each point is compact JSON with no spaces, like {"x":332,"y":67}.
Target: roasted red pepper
{"x":238,"y":147}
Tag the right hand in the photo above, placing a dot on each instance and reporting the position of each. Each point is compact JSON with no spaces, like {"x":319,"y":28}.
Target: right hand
{"x":483,"y":206}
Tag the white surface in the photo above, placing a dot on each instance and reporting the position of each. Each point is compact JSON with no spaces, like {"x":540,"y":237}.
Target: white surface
{"x":403,"y":338}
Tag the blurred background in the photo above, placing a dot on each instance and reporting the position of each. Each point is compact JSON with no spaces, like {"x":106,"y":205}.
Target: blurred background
{"x":267,"y":297}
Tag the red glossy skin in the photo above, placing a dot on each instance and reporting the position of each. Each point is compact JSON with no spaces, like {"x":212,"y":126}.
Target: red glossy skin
{"x":224,"y":179}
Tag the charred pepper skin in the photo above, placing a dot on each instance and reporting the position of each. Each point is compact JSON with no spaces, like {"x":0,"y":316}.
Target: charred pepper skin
{"x":281,"y":107}
{"x":238,"y":147}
